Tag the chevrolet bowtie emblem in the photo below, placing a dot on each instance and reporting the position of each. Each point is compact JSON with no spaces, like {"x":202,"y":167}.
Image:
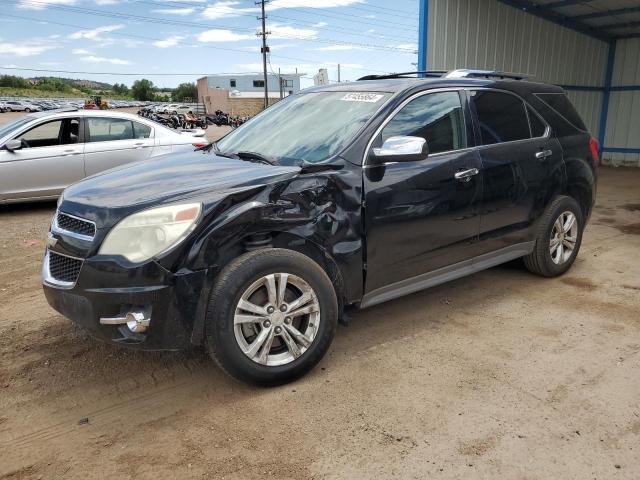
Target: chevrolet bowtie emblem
{"x":51,"y":241}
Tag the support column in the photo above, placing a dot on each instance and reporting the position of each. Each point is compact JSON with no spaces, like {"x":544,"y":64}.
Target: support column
{"x":423,"y":29}
{"x":606,"y":95}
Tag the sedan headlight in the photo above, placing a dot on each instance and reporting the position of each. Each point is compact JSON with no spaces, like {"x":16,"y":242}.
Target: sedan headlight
{"x":151,"y":232}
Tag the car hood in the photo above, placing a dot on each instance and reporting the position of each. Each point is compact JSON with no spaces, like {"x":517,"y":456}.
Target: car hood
{"x":107,"y":197}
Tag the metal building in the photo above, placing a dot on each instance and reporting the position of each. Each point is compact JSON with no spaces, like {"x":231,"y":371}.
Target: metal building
{"x":254,"y":83}
{"x":589,"y":47}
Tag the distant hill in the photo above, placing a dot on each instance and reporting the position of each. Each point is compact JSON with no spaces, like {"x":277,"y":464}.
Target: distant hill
{"x":74,"y":82}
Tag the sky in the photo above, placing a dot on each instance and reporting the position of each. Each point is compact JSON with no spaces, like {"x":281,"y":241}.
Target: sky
{"x":123,"y":40}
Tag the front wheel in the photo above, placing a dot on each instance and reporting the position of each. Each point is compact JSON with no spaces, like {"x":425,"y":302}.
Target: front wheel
{"x":272,"y":316}
{"x":27,"y":110}
{"x":558,"y":238}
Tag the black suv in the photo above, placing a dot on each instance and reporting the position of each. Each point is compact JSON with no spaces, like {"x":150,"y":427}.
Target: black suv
{"x":340,"y":196}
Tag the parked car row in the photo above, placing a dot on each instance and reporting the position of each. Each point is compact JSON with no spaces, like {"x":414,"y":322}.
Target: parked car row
{"x":40,"y":104}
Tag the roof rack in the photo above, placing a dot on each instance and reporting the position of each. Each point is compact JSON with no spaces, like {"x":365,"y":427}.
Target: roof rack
{"x":426,"y":73}
{"x":460,"y":73}
{"x":466,"y":73}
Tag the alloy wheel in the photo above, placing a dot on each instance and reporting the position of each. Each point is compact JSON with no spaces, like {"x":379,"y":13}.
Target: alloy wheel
{"x":564,"y":236}
{"x":276,"y":319}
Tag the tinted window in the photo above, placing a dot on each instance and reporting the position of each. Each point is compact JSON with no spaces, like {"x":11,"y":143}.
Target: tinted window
{"x":436,"y":117}
{"x":501,"y":116}
{"x":109,"y":129}
{"x":141,"y":131}
{"x":537,"y":126}
{"x":560,"y":103}
{"x":57,"y":132}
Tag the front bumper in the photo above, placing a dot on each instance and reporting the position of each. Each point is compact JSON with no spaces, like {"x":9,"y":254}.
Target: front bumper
{"x":174,"y":302}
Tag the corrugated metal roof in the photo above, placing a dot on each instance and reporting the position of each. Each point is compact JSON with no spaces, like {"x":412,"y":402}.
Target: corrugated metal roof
{"x":604,"y":19}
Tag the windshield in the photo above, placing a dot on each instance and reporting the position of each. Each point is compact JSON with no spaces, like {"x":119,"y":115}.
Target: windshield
{"x":309,"y":127}
{"x":9,"y":127}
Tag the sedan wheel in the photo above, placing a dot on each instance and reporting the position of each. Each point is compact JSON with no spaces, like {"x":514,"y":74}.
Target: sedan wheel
{"x":564,"y":236}
{"x":276,"y":319}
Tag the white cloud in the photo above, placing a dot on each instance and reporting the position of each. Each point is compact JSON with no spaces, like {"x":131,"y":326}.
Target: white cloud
{"x":50,"y":64}
{"x":42,"y":4}
{"x":319,"y":24}
{"x":26,"y":49}
{"x":276,"y":4}
{"x":219,"y":35}
{"x":169,"y":42}
{"x":10,"y":65}
{"x":340,"y":47}
{"x":225,"y":9}
{"x":113,"y":61}
{"x":286,"y":31}
{"x":95,"y":33}
{"x":107,"y":2}
{"x":409,"y":47}
{"x":80,"y":51}
{"x":175,"y":11}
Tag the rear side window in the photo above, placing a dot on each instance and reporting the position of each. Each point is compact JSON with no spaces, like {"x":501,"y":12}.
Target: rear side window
{"x":538,"y":127}
{"x":436,"y":117}
{"x":501,"y":116}
{"x":109,"y":129}
{"x":560,"y":104}
{"x":141,"y":131}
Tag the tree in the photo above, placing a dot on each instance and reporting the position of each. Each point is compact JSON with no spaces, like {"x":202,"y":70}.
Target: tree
{"x":185,"y":91}
{"x":120,"y":89}
{"x":143,"y":90}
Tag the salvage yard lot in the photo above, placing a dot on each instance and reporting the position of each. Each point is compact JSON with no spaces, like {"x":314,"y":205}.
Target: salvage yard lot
{"x":498,"y":375}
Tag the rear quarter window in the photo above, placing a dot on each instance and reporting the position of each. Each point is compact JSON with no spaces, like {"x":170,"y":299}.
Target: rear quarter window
{"x":560,"y":104}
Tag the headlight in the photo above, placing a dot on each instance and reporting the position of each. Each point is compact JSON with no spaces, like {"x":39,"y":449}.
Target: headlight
{"x":149,"y":233}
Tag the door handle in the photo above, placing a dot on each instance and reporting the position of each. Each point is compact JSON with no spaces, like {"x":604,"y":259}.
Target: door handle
{"x":541,"y":155}
{"x":465,"y":175}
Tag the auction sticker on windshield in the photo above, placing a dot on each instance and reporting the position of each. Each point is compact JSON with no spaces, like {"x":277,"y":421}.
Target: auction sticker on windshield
{"x":362,"y":97}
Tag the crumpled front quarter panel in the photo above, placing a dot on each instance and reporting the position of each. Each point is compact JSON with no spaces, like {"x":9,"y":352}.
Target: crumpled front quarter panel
{"x":312,"y":213}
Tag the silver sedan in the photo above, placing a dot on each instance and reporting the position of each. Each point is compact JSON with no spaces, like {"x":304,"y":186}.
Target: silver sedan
{"x":43,"y":153}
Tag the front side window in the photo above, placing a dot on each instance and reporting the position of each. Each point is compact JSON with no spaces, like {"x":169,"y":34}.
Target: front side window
{"x":436,"y":117}
{"x":109,"y":129}
{"x":307,"y":127}
{"x":53,"y":133}
{"x":501,"y":116}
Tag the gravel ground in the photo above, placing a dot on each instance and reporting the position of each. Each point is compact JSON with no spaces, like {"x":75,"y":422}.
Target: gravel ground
{"x":498,"y":375}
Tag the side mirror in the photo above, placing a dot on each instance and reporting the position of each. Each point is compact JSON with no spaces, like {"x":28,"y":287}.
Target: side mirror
{"x":401,"y":149}
{"x":12,"y":145}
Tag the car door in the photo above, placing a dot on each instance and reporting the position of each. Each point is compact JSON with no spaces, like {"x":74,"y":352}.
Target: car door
{"x":521,"y":167}
{"x":112,"y":142}
{"x":421,"y":216}
{"x":51,"y":158}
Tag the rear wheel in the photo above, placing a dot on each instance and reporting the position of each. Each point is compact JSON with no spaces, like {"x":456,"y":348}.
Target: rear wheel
{"x":558,"y":239}
{"x":272,"y":316}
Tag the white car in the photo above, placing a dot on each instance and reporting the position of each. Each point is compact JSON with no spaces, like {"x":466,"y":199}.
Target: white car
{"x":43,"y":153}
{"x":20,"y":106}
{"x":181,"y":109}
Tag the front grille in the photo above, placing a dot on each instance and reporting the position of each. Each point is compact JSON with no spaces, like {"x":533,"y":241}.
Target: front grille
{"x":75,"y":225}
{"x":64,"y":269}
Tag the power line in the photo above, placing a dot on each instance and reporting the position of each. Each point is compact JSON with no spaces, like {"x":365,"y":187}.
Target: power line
{"x":282,"y":17}
{"x":157,"y":20}
{"x":142,"y":37}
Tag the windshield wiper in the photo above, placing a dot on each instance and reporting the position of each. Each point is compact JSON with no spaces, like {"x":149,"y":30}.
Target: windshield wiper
{"x":255,"y":157}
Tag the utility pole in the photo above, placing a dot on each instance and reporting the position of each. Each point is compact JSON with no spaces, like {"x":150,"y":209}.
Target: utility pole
{"x":338,"y":73}
{"x":280,"y":82}
{"x":264,"y":50}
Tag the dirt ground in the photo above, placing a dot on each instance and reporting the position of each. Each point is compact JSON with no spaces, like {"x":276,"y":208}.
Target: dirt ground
{"x":498,"y":375}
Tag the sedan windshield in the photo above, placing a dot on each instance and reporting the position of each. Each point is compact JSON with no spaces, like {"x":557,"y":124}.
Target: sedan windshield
{"x":9,"y":127}
{"x":307,"y":127}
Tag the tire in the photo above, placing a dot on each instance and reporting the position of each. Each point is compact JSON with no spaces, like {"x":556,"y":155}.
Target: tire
{"x":27,"y":110}
{"x":542,"y":261}
{"x":225,"y":340}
